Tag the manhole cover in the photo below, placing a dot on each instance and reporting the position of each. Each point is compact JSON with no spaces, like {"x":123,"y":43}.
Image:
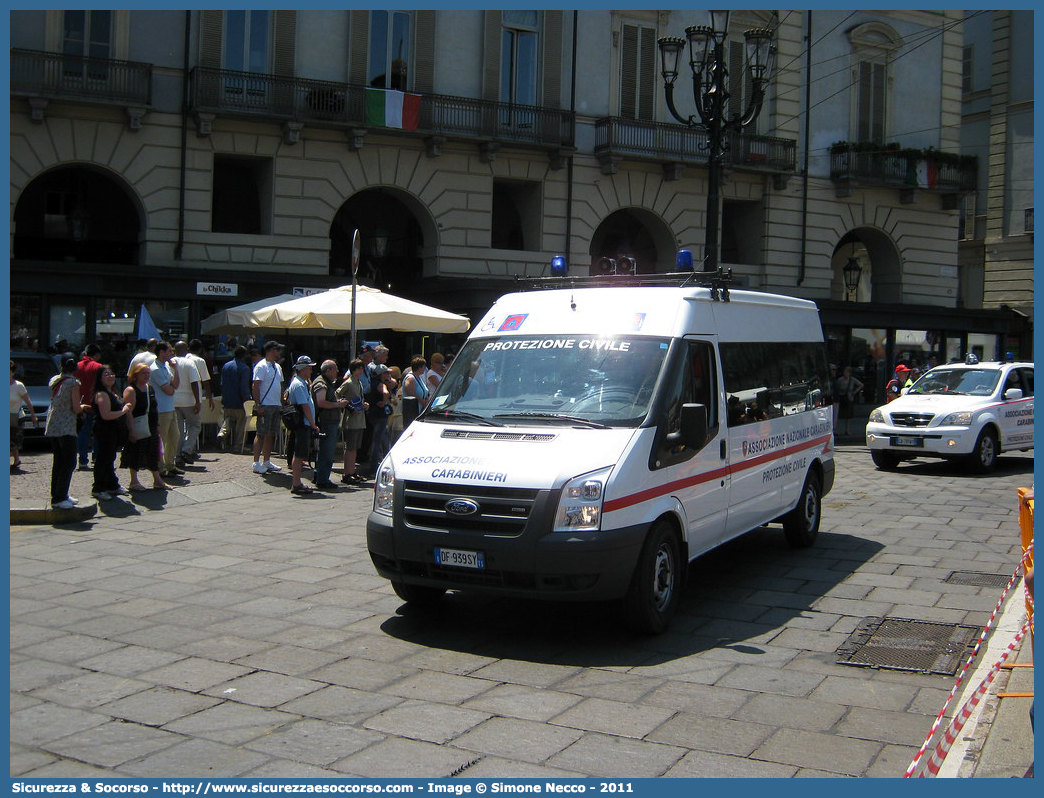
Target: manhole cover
{"x":977,"y":579}
{"x":908,"y":645}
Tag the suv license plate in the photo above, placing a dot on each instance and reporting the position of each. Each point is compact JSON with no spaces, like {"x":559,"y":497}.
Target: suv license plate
{"x":907,"y":440}
{"x":459,"y":558}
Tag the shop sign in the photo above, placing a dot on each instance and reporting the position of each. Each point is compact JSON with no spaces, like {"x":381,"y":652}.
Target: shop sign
{"x":300,"y":291}
{"x":217,"y":289}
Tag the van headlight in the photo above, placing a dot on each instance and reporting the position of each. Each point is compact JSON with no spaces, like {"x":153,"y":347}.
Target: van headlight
{"x":962,"y":419}
{"x":580,"y":508}
{"x":384,"y":487}
{"x":876,"y":416}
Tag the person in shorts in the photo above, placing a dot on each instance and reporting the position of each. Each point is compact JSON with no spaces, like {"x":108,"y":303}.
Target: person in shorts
{"x":300,"y":394}
{"x":267,"y":390}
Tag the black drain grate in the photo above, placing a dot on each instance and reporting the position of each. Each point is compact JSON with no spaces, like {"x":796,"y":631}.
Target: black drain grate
{"x":977,"y":579}
{"x":908,"y":645}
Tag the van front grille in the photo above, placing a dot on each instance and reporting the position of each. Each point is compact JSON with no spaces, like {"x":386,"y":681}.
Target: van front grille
{"x":499,"y":511}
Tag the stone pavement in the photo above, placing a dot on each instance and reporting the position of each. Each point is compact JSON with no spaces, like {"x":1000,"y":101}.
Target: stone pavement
{"x":229,"y":629}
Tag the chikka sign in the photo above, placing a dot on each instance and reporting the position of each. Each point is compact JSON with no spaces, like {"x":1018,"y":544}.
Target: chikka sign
{"x":217,"y":289}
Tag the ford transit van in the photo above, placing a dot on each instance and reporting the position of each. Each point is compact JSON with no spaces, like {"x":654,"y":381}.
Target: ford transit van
{"x":589,"y":442}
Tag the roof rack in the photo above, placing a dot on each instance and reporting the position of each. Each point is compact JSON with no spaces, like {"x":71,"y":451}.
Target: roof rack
{"x":718,"y":282}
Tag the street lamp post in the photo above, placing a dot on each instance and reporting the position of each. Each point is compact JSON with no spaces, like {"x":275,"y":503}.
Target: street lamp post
{"x":710,"y":92}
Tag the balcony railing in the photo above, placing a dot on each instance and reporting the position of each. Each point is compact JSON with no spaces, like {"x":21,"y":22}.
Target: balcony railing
{"x":904,"y":171}
{"x":690,"y":146}
{"x":327,"y":104}
{"x":35,"y":73}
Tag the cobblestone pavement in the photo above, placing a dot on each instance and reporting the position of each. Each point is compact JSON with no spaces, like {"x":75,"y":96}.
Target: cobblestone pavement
{"x":229,"y":629}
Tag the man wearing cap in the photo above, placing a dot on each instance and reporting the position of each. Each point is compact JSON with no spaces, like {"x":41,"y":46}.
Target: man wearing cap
{"x":894,"y":388}
{"x":267,"y":390}
{"x":300,"y":394}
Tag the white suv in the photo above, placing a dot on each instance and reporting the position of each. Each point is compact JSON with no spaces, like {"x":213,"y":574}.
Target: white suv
{"x":967,"y":410}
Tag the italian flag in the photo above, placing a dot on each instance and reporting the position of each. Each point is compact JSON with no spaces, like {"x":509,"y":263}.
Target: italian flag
{"x":390,"y":108}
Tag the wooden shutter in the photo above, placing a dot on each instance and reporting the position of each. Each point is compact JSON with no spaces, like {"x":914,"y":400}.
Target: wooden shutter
{"x":424,"y":51}
{"x":552,"y":70}
{"x":284,"y":42}
{"x":360,"y":47}
{"x":647,"y":75}
{"x":629,"y":72}
{"x":491,"y":30}
{"x":211,"y":29}
{"x":877,"y":120}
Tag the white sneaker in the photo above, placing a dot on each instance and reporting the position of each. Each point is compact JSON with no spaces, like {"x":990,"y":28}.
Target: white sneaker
{"x":102,"y":495}
{"x":74,"y":501}
{"x":120,"y":491}
{"x":63,"y":505}
{"x":271,"y":466}
{"x":259,"y":468}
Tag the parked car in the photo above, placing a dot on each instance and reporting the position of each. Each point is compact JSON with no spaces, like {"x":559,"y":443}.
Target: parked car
{"x":971,"y":411}
{"x":34,"y":370}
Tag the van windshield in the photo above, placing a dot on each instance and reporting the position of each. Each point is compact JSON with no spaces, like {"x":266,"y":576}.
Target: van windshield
{"x":573,"y":380}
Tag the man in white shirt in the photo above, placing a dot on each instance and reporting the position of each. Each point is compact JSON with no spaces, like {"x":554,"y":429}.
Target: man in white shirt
{"x":267,"y":389}
{"x":146,"y":356}
{"x":190,"y":446}
{"x":186,"y":401}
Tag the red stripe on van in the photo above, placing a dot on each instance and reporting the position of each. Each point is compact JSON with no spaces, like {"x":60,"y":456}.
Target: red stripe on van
{"x":717,"y":473}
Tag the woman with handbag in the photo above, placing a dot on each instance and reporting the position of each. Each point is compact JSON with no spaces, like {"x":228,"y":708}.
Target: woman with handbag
{"x":61,"y":429}
{"x":110,"y":430}
{"x":141,"y":452}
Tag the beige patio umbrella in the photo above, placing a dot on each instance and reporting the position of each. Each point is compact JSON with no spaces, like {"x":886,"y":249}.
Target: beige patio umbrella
{"x":374,"y":310}
{"x":235,"y":319}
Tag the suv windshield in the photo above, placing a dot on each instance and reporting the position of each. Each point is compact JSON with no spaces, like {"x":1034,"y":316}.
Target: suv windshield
{"x":973,"y":382}
{"x":573,"y":380}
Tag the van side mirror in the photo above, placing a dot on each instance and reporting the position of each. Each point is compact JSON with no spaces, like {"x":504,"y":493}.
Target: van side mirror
{"x":693,"y":432}
{"x":1012,"y":394}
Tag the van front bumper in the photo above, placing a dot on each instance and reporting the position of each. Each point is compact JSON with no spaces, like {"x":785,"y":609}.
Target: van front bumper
{"x":580,"y":566}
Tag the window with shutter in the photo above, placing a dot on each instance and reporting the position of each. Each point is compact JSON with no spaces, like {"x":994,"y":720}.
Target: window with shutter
{"x":874,"y":45}
{"x":870,"y":124}
{"x":638,"y":72}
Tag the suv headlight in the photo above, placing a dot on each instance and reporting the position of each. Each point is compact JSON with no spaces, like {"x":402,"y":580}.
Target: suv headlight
{"x":580,"y":508}
{"x":962,"y":419}
{"x":384,"y":487}
{"x":876,"y":416}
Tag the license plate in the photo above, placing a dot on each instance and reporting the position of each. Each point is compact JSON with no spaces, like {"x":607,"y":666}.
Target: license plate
{"x":459,"y":558}
{"x":907,"y":440}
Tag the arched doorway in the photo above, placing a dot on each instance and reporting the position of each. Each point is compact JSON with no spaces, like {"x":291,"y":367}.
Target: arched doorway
{"x":880,"y":272}
{"x":77,"y":214}
{"x":635,"y":232}
{"x":393,"y":239}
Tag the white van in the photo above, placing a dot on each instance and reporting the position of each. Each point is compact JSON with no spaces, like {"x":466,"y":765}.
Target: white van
{"x":588,"y":443}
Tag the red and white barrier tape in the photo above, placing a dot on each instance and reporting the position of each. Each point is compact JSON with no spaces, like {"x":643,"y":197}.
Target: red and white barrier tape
{"x":971,"y":658}
{"x":935,"y":760}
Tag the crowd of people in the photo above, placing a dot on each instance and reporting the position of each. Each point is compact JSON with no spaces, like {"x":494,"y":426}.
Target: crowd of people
{"x":154,"y":424}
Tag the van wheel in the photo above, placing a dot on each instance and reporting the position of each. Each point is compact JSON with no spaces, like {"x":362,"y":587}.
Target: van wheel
{"x":885,"y":460}
{"x":418,"y":595}
{"x":653,"y":595}
{"x":984,"y":456}
{"x":801,"y":525}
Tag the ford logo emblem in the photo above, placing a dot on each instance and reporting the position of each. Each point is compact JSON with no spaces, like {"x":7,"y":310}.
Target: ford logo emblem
{"x":461,"y":507}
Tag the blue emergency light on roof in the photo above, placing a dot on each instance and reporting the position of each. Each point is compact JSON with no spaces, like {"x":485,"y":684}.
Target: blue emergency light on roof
{"x":684,"y":261}
{"x":971,"y":359}
{"x":559,"y":267}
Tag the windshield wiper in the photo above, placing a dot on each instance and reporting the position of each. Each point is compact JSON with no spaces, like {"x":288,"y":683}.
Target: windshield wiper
{"x":459,"y":415}
{"x":557,"y":416}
